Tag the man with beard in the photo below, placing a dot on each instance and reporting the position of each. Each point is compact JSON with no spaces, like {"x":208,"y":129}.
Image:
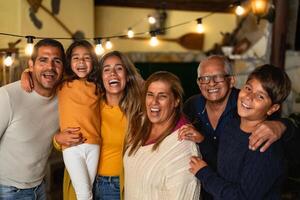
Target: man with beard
{"x":28,"y":122}
{"x":210,"y":112}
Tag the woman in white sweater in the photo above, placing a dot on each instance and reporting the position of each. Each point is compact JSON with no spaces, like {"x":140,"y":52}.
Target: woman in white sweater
{"x":155,"y":162}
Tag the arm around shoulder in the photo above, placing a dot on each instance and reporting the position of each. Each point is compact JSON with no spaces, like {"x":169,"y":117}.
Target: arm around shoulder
{"x":26,"y":81}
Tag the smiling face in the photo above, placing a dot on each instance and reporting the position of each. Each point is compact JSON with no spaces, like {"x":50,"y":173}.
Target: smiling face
{"x":47,"y":69}
{"x":114,"y":76}
{"x":215,"y":91}
{"x":81,"y":62}
{"x":160,"y":103}
{"x":254,"y":103}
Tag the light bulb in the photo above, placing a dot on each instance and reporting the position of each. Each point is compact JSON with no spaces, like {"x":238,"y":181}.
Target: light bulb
{"x":29,"y":46}
{"x":153,"y":41}
{"x":200,"y":28}
{"x":8,"y":61}
{"x":130,"y":33}
{"x":239,"y":10}
{"x":108,"y":44}
{"x":259,"y":7}
{"x":99,"y":49}
{"x":151,"y":19}
{"x":29,"y":49}
{"x":259,"y":4}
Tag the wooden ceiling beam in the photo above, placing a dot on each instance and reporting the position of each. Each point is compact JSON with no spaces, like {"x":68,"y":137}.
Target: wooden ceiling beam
{"x":203,"y":6}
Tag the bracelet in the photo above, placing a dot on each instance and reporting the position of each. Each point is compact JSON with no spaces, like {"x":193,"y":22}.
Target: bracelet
{"x":56,"y":145}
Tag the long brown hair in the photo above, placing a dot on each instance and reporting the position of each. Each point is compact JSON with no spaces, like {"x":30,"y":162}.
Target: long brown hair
{"x":141,"y":132}
{"x":130,"y":103}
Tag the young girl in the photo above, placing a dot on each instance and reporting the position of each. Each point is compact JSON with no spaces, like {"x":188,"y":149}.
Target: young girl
{"x":79,"y":112}
{"x":243,"y":173}
{"x":79,"y":106}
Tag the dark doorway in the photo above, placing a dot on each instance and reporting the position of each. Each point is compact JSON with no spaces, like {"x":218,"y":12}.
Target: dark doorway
{"x":187,"y":72}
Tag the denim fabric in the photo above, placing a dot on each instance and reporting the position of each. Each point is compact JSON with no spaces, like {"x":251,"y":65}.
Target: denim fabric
{"x":107,"y":188}
{"x":13,"y":193}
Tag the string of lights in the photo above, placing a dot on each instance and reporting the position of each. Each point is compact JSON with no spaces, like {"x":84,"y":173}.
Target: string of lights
{"x":130,"y":34}
{"x":98,"y":40}
{"x":106,"y":37}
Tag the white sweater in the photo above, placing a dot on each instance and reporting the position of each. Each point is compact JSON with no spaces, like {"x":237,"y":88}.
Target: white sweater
{"x":28,"y":122}
{"x":162,"y":174}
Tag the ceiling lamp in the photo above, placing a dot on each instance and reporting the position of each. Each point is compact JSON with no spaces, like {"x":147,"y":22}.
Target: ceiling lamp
{"x":259,"y":7}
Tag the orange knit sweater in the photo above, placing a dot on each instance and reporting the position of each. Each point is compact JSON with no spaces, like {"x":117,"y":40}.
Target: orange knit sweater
{"x":79,"y":106}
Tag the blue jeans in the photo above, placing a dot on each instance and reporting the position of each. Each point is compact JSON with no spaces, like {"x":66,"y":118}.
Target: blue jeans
{"x":107,"y":188}
{"x":13,"y":193}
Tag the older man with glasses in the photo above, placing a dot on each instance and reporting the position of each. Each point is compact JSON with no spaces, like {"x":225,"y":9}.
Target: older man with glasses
{"x":216,"y":78}
{"x":210,"y":111}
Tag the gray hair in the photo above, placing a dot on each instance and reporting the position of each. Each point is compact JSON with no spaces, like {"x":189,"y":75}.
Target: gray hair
{"x":226,"y":63}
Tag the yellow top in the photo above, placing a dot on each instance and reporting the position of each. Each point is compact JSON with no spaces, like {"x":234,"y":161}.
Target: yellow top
{"x":79,"y":106}
{"x":113,"y":126}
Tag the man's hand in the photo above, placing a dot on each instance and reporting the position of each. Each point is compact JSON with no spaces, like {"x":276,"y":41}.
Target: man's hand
{"x":189,"y":132}
{"x":26,"y":81}
{"x":266,"y":133}
{"x":69,"y":137}
{"x":196,"y":164}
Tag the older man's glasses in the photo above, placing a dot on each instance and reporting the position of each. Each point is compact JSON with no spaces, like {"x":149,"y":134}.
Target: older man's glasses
{"x":216,"y":78}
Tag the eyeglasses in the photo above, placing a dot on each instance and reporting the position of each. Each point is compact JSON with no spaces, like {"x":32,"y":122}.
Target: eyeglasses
{"x":217,"y":78}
